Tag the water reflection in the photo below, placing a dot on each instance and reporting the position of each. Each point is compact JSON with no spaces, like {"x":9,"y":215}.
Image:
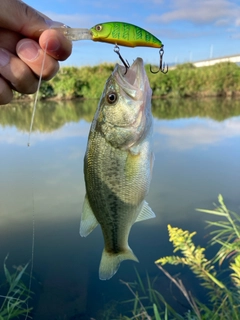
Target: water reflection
{"x":53,"y":115}
{"x":197,"y":153}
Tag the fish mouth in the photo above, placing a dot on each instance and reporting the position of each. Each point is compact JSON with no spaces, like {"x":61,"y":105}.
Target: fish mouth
{"x":134,"y":86}
{"x":133,"y":79}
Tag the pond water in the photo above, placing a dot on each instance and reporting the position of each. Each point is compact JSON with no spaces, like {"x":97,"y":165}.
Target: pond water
{"x":196,"y":146}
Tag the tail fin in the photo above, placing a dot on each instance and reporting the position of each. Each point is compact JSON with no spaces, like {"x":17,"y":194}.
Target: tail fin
{"x":110,"y":262}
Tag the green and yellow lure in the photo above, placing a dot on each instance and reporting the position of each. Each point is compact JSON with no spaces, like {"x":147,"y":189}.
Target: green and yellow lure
{"x":128,"y":35}
{"x":124,"y":34}
{"x":117,"y":33}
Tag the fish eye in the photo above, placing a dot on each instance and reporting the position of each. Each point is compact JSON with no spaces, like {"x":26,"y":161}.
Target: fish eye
{"x":98,"y":27}
{"x":112,"y":97}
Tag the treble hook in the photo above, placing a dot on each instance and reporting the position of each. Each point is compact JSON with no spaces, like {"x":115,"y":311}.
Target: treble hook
{"x":161,"y":64}
{"x":126,"y":63}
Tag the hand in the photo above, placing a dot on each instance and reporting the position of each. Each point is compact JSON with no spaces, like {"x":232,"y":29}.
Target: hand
{"x":22,"y":45}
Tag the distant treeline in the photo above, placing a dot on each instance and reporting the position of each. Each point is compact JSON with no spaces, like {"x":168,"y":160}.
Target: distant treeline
{"x":52,"y":115}
{"x":185,"y":80}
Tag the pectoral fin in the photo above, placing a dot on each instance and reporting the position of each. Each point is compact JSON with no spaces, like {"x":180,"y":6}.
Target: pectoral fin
{"x":146,"y":213}
{"x":88,"y":221}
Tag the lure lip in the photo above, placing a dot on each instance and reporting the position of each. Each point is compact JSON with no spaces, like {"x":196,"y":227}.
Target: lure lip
{"x":75,"y":34}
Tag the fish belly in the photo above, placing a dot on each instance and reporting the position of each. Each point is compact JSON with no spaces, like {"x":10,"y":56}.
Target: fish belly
{"x":117,"y":182}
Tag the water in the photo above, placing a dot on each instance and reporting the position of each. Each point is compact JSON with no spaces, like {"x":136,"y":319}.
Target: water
{"x":196,"y":146}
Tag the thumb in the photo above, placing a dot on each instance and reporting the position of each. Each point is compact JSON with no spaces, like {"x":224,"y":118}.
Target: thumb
{"x":17,"y":16}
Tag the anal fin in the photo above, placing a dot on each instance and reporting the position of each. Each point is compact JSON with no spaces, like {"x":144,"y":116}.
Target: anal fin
{"x":88,"y":221}
{"x":146,"y":213}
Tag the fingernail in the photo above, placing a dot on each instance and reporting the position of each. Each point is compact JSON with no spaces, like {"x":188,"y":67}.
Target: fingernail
{"x":4,"y":58}
{"x":28,"y":50}
{"x":52,"y":44}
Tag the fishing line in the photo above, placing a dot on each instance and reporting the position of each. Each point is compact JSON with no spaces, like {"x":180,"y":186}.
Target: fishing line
{"x":32,"y":175}
{"x":37,"y":93}
{"x":33,"y":235}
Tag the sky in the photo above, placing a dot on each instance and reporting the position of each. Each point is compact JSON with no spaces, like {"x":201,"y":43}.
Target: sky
{"x":191,"y":30}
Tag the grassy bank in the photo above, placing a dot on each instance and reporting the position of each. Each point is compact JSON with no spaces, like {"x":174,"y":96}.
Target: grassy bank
{"x":185,"y":80}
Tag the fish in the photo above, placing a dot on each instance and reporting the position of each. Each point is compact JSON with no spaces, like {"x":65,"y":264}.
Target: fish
{"x":125,"y":34}
{"x":118,"y":164}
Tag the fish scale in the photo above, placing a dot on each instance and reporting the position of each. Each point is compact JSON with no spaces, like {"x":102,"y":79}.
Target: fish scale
{"x":107,"y":188}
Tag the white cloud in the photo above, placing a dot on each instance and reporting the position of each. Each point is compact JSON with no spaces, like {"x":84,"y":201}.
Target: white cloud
{"x":235,"y":36}
{"x":175,"y":33}
{"x":199,"y":12}
{"x":237,"y":22}
{"x":222,"y":23}
{"x":154,"y":1}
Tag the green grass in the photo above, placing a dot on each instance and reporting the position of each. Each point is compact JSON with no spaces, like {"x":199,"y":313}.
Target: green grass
{"x":185,"y":80}
{"x":15,"y":302}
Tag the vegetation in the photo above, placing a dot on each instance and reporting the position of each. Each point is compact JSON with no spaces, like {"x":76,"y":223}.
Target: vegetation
{"x":51,"y":115}
{"x":15,"y":301}
{"x":221,"y":287}
{"x":223,"y":291}
{"x":222,"y":79}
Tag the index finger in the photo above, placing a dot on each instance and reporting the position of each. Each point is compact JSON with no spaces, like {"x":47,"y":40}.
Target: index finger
{"x":55,"y":44}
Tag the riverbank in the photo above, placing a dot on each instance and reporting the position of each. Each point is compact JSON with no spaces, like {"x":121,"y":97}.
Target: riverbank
{"x":220,"y":80}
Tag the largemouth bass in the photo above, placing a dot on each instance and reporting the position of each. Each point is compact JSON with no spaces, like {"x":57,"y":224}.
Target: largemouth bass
{"x":118,"y":164}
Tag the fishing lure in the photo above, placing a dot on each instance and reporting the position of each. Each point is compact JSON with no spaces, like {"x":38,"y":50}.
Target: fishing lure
{"x":118,"y":33}
{"x":128,"y":35}
{"x":124,"y":34}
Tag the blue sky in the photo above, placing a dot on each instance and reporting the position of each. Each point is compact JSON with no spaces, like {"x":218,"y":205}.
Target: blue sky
{"x":191,"y":30}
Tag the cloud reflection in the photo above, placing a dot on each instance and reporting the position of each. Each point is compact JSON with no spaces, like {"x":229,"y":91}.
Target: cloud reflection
{"x":190,"y":133}
{"x":180,"y":133}
{"x":11,"y":135}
